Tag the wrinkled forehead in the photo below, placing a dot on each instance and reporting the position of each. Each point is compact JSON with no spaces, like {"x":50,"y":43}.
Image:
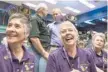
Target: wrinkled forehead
{"x":15,"y":21}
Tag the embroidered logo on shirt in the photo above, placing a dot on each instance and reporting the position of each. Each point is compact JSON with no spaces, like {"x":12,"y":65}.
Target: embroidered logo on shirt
{"x":75,"y":70}
{"x":84,"y":67}
{"x":29,"y":66}
{"x":6,"y":57}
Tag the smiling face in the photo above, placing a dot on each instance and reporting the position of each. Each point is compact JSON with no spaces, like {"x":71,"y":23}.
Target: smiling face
{"x":68,"y":33}
{"x":15,"y":31}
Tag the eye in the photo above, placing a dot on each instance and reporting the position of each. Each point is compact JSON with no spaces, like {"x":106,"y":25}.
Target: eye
{"x":102,"y":41}
{"x":17,"y":26}
{"x":97,"y":39}
{"x":63,"y":31}
{"x":9,"y":25}
{"x":70,"y":29}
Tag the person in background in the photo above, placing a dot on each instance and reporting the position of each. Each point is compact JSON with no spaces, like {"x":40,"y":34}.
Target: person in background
{"x":39,"y":36}
{"x":56,"y":12}
{"x":14,"y":57}
{"x":69,"y":58}
{"x":99,"y":55}
{"x":81,"y":44}
{"x":89,"y":43}
{"x":54,"y":29}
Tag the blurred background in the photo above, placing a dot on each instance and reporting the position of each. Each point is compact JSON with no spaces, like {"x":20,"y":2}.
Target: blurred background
{"x":91,"y":15}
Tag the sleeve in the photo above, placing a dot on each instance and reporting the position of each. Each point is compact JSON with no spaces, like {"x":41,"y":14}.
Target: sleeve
{"x":35,"y":28}
{"x":51,"y":64}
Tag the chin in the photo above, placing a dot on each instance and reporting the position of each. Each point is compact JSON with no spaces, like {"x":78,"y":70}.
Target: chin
{"x":12,"y":41}
{"x":98,"y":47}
{"x":72,"y":43}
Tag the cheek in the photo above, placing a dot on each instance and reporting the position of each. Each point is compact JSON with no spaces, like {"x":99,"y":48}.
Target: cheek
{"x":22,"y":35}
{"x":102,"y":44}
{"x":62,"y":38}
{"x":94,"y":43}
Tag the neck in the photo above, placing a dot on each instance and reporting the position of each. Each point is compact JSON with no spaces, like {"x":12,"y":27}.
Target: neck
{"x":17,"y":50}
{"x":98,"y":51}
{"x":71,"y":50}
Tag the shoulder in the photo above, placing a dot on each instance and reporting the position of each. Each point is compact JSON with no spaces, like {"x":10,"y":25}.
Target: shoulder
{"x":85,"y":53}
{"x":3,"y":52}
{"x":2,"y":48}
{"x":31,"y":55}
{"x":50,"y":24}
{"x":105,"y":53}
{"x":56,"y":53}
{"x":89,"y":51}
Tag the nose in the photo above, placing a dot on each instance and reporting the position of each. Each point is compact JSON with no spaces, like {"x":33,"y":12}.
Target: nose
{"x":67,"y":32}
{"x":11,"y":28}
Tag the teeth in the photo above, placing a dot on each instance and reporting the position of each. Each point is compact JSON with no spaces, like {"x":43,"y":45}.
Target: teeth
{"x":10,"y":35}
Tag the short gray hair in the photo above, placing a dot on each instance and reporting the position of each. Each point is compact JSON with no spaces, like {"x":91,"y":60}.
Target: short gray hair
{"x":24,"y":20}
{"x":100,"y":35}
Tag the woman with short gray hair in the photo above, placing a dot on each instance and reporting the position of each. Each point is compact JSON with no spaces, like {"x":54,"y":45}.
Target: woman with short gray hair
{"x":69,"y":58}
{"x":97,"y":52}
{"x":15,"y":57}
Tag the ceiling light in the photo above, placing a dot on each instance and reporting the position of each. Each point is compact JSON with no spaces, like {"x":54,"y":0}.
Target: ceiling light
{"x":72,"y":9}
{"x":87,"y":3}
{"x":51,"y":1}
{"x":88,"y":22}
{"x":30,"y":4}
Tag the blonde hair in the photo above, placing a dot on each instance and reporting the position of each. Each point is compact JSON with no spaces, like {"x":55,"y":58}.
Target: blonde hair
{"x":56,"y":9}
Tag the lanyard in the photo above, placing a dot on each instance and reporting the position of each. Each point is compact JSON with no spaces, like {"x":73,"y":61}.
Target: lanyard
{"x":78,"y":60}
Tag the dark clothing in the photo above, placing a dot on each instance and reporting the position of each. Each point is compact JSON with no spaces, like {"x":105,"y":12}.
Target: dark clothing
{"x":40,"y":30}
{"x":59,"y":61}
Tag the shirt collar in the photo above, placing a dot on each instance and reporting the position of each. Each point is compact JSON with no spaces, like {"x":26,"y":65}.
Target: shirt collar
{"x":65,"y":55}
{"x":25,"y":57}
{"x":98,"y":54}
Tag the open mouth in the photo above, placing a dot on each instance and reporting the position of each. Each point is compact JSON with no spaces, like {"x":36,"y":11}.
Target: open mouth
{"x":69,"y":38}
{"x":11,"y":35}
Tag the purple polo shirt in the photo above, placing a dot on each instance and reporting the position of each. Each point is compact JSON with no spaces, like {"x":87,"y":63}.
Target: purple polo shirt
{"x":59,"y":61}
{"x":9,"y":63}
{"x":99,"y":60}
